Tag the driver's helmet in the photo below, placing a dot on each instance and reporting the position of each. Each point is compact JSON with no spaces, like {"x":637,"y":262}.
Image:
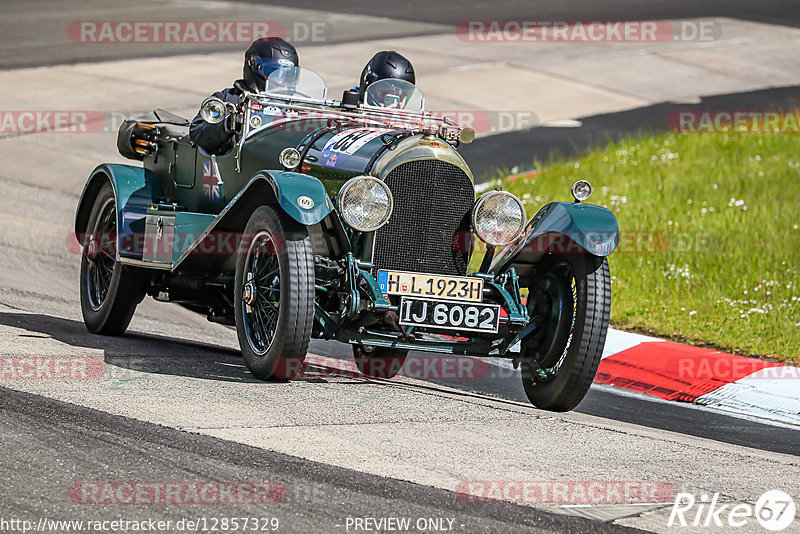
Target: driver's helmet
{"x":266,"y":56}
{"x":383,"y":65}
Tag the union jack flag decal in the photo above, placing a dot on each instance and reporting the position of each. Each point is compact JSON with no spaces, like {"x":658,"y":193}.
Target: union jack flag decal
{"x":212,"y":187}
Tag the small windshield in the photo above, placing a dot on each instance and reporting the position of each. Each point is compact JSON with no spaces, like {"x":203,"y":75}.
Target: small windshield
{"x":394,"y":94}
{"x":265,"y":66}
{"x":296,"y":83}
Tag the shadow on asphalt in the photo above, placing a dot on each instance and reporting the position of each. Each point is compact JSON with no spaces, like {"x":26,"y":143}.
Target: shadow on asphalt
{"x":149,"y":353}
{"x":137,"y":351}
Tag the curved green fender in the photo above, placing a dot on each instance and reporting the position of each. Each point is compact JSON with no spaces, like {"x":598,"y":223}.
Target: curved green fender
{"x":588,"y":228}
{"x":266,"y":187}
{"x":290,"y":188}
{"x":134,"y":189}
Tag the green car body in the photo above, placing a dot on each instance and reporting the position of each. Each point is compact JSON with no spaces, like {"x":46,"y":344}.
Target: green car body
{"x":181,"y":213}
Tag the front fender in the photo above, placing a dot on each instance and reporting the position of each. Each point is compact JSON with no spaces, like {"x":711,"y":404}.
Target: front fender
{"x":290,"y":187}
{"x":134,"y":189}
{"x":269,"y":187}
{"x":587,"y":228}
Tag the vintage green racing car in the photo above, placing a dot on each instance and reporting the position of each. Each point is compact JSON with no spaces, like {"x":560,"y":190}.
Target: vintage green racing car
{"x":347,"y":220}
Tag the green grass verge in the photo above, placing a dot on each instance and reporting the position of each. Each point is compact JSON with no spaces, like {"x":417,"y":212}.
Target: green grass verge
{"x":711,"y":235}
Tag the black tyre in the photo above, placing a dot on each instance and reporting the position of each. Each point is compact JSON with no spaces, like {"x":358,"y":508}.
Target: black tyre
{"x":379,"y":362}
{"x":274,"y":294}
{"x":109,"y":290}
{"x":570,"y":298}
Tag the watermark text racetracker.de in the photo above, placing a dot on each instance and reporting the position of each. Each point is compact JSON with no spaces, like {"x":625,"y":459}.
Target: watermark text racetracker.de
{"x":176,"y":493}
{"x":722,"y":367}
{"x":588,"y":31}
{"x":22,"y":122}
{"x":193,"y":31}
{"x":565,"y":492}
{"x":51,"y":121}
{"x":222,"y":243}
{"x":50,"y":368}
{"x":193,"y":524}
{"x":734,"y":121}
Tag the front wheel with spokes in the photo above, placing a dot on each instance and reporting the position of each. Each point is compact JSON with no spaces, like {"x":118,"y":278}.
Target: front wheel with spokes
{"x":274,"y":294}
{"x":570,"y":301}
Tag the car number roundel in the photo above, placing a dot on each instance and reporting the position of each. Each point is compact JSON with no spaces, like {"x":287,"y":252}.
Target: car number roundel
{"x":305,"y":202}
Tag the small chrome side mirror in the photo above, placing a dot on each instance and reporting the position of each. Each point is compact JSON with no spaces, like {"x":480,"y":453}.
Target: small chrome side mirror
{"x":581,"y":190}
{"x":213,"y":110}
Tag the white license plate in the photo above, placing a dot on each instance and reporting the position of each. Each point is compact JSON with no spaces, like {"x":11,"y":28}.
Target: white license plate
{"x":461,"y":316}
{"x":431,"y":285}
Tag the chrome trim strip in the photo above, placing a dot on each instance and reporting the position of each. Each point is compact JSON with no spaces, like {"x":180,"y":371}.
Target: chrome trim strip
{"x":149,"y":264}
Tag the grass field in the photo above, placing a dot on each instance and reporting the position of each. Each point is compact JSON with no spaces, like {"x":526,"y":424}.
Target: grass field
{"x":710,"y":247}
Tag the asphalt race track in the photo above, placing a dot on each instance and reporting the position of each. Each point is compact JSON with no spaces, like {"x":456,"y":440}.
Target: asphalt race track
{"x":521,"y":148}
{"x":608,"y":403}
{"x":175,"y":402}
{"x":30,"y":39}
{"x":775,"y":12}
{"x":35,"y":431}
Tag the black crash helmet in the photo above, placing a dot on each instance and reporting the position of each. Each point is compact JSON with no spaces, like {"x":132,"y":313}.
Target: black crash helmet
{"x":383,"y":65}
{"x":266,"y":56}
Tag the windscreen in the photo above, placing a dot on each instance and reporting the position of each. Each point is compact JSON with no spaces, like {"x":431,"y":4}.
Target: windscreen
{"x":296,"y":83}
{"x":394,"y":94}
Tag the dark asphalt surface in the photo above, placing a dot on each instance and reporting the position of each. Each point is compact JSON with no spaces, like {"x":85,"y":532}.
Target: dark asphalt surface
{"x":48,"y":446}
{"x":775,"y":12}
{"x":492,"y":155}
{"x":604,"y":402}
{"x":36,"y":32}
{"x":48,"y":32}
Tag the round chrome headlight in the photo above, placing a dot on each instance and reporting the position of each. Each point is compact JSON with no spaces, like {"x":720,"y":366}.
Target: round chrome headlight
{"x":365,"y":203}
{"x":498,"y":218}
{"x":289,"y":158}
{"x":213,"y":110}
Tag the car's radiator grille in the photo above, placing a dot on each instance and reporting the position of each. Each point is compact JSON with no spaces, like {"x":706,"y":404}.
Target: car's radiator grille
{"x":429,"y":228}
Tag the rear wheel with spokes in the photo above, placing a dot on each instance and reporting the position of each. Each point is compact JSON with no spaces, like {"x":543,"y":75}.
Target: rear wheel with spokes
{"x":274,"y":294}
{"x":570,"y":300}
{"x":109,"y":290}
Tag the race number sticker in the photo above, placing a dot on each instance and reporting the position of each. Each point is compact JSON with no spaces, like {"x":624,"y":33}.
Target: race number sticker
{"x":350,"y":141}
